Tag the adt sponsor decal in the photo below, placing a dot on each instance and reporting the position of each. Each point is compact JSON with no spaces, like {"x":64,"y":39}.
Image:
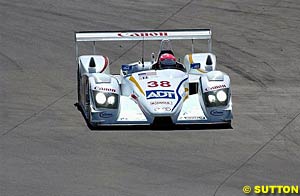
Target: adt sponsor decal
{"x":160,"y":94}
{"x":216,"y":112}
{"x":105,"y":115}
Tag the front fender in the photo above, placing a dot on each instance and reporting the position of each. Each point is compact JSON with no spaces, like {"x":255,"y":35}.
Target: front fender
{"x":212,"y":83}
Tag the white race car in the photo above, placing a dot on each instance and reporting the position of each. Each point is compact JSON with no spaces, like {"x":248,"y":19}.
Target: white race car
{"x":159,"y":91}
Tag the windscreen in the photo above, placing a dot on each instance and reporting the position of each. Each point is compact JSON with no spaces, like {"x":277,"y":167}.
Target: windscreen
{"x":165,"y":45}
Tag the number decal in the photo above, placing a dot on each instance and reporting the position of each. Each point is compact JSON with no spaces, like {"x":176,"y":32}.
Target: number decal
{"x":165,"y":84}
{"x":162,"y":84}
{"x":152,"y":84}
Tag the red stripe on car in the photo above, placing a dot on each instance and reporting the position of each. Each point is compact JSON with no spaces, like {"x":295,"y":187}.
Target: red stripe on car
{"x":105,"y":63}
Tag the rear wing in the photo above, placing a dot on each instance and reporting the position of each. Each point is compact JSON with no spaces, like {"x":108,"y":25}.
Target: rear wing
{"x":143,"y":35}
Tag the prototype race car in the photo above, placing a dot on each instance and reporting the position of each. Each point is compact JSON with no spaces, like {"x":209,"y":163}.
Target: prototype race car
{"x":161,"y":90}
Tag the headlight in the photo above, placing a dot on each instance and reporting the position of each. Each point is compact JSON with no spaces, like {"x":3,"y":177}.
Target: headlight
{"x":100,"y":98}
{"x":216,"y":98}
{"x":106,"y":100}
{"x":211,"y":98}
{"x":221,"y":96}
{"x":111,"y":100}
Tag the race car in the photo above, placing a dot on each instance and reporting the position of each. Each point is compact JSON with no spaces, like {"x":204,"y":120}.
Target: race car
{"x":155,"y":91}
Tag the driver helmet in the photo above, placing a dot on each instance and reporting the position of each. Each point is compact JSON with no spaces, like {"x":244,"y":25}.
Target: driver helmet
{"x":167,"y":61}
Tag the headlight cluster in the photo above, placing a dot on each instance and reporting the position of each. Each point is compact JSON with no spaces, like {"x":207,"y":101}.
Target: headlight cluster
{"x":216,"y":98}
{"x":106,"y":100}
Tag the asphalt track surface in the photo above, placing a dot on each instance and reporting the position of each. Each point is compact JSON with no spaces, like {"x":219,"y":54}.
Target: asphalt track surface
{"x":46,"y":147}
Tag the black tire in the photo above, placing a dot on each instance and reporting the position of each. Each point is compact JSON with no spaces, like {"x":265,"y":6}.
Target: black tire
{"x":227,"y":125}
{"x":91,"y":125}
{"x":78,"y":86}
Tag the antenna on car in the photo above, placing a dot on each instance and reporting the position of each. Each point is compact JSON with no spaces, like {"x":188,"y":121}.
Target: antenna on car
{"x":192,"y":45}
{"x":94,"y":47}
{"x":143,"y":45}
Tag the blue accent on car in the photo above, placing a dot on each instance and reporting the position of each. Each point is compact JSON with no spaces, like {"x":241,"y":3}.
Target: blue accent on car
{"x":126,"y":67}
{"x":177,"y":92}
{"x":195,"y":65}
{"x":105,"y":114}
{"x":217,"y":112}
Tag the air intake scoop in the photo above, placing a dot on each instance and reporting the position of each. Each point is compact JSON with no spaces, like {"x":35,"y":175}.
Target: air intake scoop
{"x":208,"y":60}
{"x":92,"y":63}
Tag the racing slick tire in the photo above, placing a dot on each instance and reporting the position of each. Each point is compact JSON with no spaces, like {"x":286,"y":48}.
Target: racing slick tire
{"x":91,"y":125}
{"x":78,"y":86}
{"x":227,"y":125}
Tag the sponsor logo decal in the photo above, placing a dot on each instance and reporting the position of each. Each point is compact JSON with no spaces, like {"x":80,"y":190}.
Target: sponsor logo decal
{"x":105,"y":115}
{"x":162,"y":109}
{"x":191,"y":115}
{"x":161,"y":102}
{"x":216,"y":112}
{"x":215,"y":87}
{"x":160,"y":94}
{"x":126,"y":67}
{"x":194,"y":118}
{"x":105,"y":89}
{"x":146,"y":75}
{"x":151,"y":73}
{"x":143,"y":34}
{"x":195,"y":66}
{"x":142,"y":76}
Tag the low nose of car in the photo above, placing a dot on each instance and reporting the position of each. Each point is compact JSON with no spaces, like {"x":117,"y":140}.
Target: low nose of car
{"x":164,"y":102}
{"x":160,"y":101}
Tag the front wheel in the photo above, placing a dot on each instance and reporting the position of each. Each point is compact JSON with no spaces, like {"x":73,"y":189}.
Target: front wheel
{"x":91,"y":125}
{"x":227,"y":125}
{"x":78,"y":86}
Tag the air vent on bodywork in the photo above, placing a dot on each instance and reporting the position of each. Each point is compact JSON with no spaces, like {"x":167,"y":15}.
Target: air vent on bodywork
{"x":92,"y":63}
{"x":193,"y":88}
{"x":162,"y":121}
{"x":215,"y":76}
